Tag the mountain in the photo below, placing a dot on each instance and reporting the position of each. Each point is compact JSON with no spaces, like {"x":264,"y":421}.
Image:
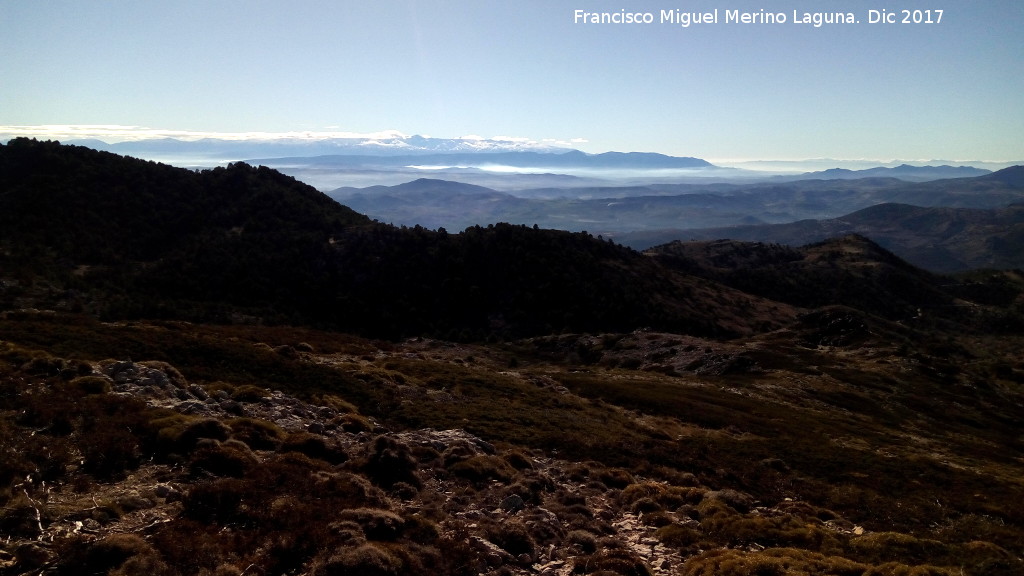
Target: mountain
{"x":850,"y":270}
{"x":554,"y":160}
{"x":125,"y":238}
{"x":225,"y":372}
{"x":385,"y":143}
{"x":937,"y":239}
{"x":902,"y":172}
{"x":642,"y":216}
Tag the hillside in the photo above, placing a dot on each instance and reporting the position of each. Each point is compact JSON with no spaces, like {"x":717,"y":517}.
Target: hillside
{"x":226,"y":373}
{"x":122,"y":238}
{"x":940,"y":239}
{"x":646,"y":215}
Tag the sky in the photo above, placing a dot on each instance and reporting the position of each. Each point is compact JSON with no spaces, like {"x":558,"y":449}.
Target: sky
{"x":950,"y":90}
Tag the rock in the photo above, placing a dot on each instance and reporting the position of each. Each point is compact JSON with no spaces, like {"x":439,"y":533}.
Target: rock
{"x":32,"y":555}
{"x":512,"y":503}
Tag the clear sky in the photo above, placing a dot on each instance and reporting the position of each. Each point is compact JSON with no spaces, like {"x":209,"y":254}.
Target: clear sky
{"x":448,"y":68}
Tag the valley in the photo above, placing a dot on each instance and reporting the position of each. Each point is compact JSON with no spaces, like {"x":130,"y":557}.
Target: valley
{"x":225,"y":372}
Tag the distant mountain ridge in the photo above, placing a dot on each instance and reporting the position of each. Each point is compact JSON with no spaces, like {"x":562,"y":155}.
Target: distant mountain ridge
{"x":902,"y":172}
{"x":940,"y":239}
{"x":642,"y":216}
{"x":125,"y":238}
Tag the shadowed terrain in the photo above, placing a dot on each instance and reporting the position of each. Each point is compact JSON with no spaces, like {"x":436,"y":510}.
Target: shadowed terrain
{"x":225,"y":372}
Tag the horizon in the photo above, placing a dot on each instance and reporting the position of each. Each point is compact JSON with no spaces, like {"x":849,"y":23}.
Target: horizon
{"x":529,"y":72}
{"x":113,"y":135}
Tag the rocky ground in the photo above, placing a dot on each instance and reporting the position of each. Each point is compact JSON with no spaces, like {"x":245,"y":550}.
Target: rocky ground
{"x":224,"y":478}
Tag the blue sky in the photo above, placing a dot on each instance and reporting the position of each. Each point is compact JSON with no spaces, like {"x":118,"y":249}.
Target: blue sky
{"x":522,"y":68}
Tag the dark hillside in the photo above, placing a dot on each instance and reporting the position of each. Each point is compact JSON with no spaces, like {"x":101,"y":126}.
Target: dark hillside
{"x":94,"y":207}
{"x":123,"y":238}
{"x":851,"y":271}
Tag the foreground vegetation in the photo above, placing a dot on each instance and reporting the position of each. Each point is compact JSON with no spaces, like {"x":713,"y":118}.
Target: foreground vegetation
{"x":222,"y":373}
{"x":638,"y":453}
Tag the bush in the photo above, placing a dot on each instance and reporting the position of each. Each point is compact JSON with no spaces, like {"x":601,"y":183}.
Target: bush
{"x":615,"y":477}
{"x":91,"y":385}
{"x":114,"y":552}
{"x":377,"y":524}
{"x":258,"y":434}
{"x":366,"y":560}
{"x":315,"y":447}
{"x":880,"y":547}
{"x":231,"y":458}
{"x":617,"y":560}
{"x":584,"y":540}
{"x":389,"y":461}
{"x":249,"y":393}
{"x":677,"y":536}
{"x":513,"y":537}
{"x":770,"y":562}
{"x":483,"y":468}
{"x":178,"y":433}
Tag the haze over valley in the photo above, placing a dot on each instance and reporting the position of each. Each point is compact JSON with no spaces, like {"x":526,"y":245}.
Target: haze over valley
{"x":462,"y":288}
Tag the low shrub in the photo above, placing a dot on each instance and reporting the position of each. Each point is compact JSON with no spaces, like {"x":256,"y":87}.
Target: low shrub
{"x":314,"y":446}
{"x":513,"y":537}
{"x":483,"y":468}
{"x":249,"y":393}
{"x":879,"y":547}
{"x":617,"y":561}
{"x":585,"y":541}
{"x":178,"y":433}
{"x":770,"y":562}
{"x":377,"y":524}
{"x":389,"y":461}
{"x":677,"y":536}
{"x":118,"y":553}
{"x":231,"y":458}
{"x":258,"y":434}
{"x":91,"y":385}
{"x":366,"y":560}
{"x":897,"y":569}
{"x":615,"y":477}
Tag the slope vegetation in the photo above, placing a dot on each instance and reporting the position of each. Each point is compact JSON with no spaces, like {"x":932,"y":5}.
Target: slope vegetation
{"x":215,"y":401}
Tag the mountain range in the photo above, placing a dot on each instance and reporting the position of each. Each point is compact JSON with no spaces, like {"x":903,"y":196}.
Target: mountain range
{"x":797,"y":212}
{"x":226,"y":372}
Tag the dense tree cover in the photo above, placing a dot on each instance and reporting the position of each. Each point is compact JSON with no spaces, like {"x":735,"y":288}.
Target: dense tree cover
{"x":853,"y":271}
{"x":141,"y":239}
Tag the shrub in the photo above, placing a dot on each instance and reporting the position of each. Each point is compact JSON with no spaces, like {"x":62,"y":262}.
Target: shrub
{"x":175,"y":377}
{"x":356,"y":423}
{"x":483,"y":468}
{"x":897,"y":569}
{"x":421,"y":530}
{"x":180,"y":433}
{"x":677,"y":536}
{"x":616,"y":560}
{"x":231,"y":458}
{"x":584,"y":540}
{"x":249,"y":393}
{"x":91,"y":385}
{"x":770,"y":562}
{"x":215,"y":501}
{"x":366,"y":560}
{"x":513,"y":537}
{"x":615,"y":477}
{"x":389,"y":461}
{"x":315,"y":447}
{"x":258,"y":434}
{"x":880,"y":547}
{"x":377,"y":524}
{"x":518,"y":459}
{"x":114,"y":551}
